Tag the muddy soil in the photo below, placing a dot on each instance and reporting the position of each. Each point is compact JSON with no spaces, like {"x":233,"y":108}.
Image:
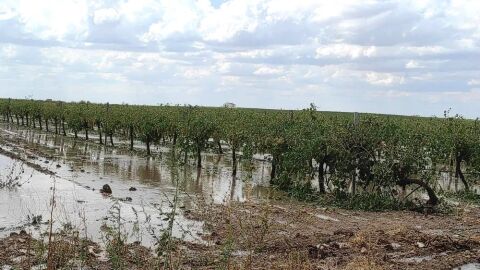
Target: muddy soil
{"x":289,"y":235}
{"x":22,"y":251}
{"x":279,"y":234}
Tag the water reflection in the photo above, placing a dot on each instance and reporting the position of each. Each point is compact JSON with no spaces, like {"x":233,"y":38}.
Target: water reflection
{"x":214,"y":180}
{"x":82,"y":168}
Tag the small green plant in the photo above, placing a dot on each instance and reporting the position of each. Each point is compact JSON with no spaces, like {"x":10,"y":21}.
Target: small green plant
{"x":228,"y":245}
{"x":165,"y":243}
{"x":40,"y":250}
{"x":366,"y":201}
{"x":115,"y":238}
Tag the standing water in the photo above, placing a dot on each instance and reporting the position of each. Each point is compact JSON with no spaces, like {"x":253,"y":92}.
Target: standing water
{"x":143,"y":187}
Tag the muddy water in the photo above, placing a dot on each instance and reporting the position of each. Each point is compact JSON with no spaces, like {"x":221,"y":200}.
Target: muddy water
{"x":28,"y":207}
{"x":470,"y":266}
{"x":82,"y":168}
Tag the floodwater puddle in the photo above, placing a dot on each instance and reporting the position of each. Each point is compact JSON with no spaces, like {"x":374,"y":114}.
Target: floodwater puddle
{"x":143,"y":187}
{"x":470,"y":266}
{"x":325,"y":217}
{"x":416,"y":259}
{"x":28,"y":207}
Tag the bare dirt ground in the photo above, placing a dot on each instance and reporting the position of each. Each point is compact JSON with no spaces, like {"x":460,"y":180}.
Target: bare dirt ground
{"x":284,"y":234}
{"x":288,"y":235}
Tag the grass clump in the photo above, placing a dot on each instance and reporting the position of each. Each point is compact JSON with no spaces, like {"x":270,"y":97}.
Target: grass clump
{"x":463,"y":196}
{"x":375,"y":202}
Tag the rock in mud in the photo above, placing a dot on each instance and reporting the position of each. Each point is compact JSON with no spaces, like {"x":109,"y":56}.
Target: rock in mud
{"x":106,"y":189}
{"x":348,"y":233}
{"x":420,"y":244}
{"x":39,"y":267}
{"x":319,"y":251}
{"x":92,"y":251}
{"x":19,"y":259}
{"x":132,"y":189}
{"x":392,"y":246}
{"x":339,"y":245}
{"x":59,"y":166}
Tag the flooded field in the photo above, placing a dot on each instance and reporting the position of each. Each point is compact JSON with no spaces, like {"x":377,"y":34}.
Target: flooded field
{"x":82,"y":168}
{"x":215,"y":212}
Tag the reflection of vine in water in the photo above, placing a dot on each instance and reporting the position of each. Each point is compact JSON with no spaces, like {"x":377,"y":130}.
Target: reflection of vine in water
{"x":232,"y":188}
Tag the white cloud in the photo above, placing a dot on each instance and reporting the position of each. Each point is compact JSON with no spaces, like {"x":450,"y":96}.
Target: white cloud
{"x":392,"y":94}
{"x":113,"y":77}
{"x":426,"y":50}
{"x":54,"y":18}
{"x":105,"y":15}
{"x":309,"y":51}
{"x":474,"y":82}
{"x":472,"y":95}
{"x":345,"y":50}
{"x":412,"y":64}
{"x":179,"y":17}
{"x":264,"y":70}
{"x":138,"y":10}
{"x":231,"y":18}
{"x":6,"y":13}
{"x":384,"y":79}
{"x":196,"y":73}
{"x":223,"y":67}
{"x":9,"y":51}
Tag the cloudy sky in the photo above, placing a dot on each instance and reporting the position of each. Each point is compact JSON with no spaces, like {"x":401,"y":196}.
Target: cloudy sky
{"x":398,"y":56}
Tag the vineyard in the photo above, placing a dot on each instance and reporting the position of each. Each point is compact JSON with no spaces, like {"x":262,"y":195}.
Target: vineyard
{"x":311,"y":152}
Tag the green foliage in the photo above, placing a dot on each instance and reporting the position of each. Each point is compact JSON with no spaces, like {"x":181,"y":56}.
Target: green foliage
{"x":365,"y":201}
{"x":464,"y":196}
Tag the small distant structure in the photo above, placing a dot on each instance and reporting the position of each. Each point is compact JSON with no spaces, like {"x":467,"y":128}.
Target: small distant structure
{"x":49,"y":99}
{"x":229,"y":105}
